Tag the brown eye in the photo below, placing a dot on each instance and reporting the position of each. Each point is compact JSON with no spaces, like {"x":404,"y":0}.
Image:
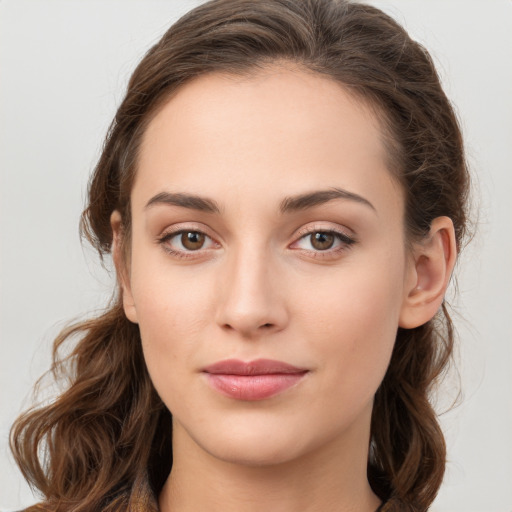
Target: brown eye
{"x":192,"y":240}
{"x":322,"y":241}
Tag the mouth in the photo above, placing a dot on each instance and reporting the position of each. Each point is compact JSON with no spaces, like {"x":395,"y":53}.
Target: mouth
{"x":253,"y":380}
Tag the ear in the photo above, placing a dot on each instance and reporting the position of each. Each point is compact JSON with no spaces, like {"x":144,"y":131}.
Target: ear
{"x":429,"y":272}
{"x":122,"y":266}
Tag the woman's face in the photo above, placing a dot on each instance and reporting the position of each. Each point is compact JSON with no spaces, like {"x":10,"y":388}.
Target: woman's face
{"x":266,"y":226}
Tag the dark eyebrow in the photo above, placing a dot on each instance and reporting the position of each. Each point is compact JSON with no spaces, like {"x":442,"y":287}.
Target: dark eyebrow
{"x":185,"y":201}
{"x":310,"y":199}
{"x":288,"y":205}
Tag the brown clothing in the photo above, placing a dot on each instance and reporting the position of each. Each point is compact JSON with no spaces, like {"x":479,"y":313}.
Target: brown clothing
{"x":141,"y":499}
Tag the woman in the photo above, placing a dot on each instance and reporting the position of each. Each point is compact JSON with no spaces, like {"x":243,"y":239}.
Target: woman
{"x":283,"y":192}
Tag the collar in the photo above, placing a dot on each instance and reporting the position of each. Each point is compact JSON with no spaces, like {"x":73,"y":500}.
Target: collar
{"x":142,"y":498}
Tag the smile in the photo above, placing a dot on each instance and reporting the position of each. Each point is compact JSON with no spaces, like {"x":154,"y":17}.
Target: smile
{"x":254,"y":380}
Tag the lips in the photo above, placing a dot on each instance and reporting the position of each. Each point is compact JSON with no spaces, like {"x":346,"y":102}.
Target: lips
{"x":253,"y":380}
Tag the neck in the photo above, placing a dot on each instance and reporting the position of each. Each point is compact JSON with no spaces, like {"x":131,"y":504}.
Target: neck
{"x":332,"y":478}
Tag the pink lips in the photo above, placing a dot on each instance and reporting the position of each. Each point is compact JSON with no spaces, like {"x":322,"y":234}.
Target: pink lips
{"x":254,"y":380}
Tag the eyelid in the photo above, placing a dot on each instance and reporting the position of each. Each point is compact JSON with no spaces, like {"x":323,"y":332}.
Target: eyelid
{"x":314,"y":228}
{"x":181,"y":227}
{"x":177,"y":229}
{"x":345,"y":241}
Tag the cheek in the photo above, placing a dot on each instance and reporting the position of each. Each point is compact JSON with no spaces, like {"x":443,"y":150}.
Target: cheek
{"x":168,"y":298}
{"x":173,"y":312}
{"x":351,"y":322}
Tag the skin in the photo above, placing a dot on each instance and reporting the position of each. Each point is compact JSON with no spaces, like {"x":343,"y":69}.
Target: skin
{"x":260,"y":288}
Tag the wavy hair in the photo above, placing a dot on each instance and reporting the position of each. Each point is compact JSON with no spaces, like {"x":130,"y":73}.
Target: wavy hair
{"x":85,"y":450}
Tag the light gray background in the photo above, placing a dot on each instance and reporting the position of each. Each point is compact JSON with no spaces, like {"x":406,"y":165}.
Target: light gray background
{"x":64,"y":65}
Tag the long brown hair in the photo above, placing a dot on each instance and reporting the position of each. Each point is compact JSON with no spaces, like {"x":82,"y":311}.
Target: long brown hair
{"x":84,"y":451}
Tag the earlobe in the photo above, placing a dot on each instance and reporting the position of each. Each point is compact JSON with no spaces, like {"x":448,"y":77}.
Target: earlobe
{"x":432,"y":264}
{"x":121,"y":265}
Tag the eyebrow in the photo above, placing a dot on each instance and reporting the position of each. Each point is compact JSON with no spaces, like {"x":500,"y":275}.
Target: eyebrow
{"x":288,"y":204}
{"x":190,"y":201}
{"x":316,"y":198}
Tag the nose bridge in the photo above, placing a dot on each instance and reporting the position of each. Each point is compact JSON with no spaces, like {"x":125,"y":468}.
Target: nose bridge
{"x":250,"y":299}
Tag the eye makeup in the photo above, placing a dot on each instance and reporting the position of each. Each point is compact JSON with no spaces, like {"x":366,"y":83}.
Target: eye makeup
{"x":317,"y":242}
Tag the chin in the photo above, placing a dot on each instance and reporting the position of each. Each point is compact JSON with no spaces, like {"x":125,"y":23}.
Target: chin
{"x":256,"y":451}
{"x":256,"y":444}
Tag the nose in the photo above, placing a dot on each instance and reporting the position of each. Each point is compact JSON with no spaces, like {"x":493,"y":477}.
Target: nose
{"x":252,"y":298}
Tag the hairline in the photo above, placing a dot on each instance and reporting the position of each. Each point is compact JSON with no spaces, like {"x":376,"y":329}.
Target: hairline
{"x":363,"y":98}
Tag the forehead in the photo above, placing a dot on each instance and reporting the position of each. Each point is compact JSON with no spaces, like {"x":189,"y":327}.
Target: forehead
{"x":281,"y":126}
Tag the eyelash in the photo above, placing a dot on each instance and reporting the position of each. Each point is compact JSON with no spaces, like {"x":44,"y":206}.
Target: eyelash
{"x":345,"y":242}
{"x":162,"y":240}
